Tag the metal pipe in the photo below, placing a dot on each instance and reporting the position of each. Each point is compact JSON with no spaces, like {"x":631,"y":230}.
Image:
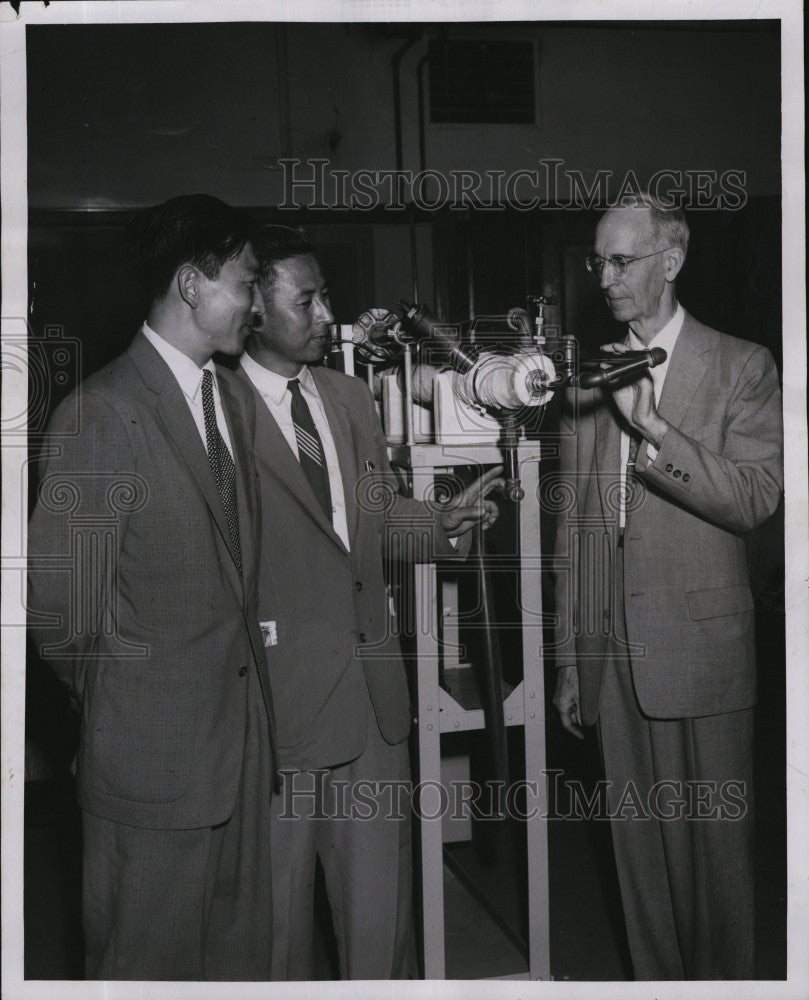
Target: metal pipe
{"x":492,"y":670}
{"x":410,"y":437}
{"x":422,"y":129}
{"x":396,"y":59}
{"x":508,"y":442}
{"x":414,"y":262}
{"x":282,"y":83}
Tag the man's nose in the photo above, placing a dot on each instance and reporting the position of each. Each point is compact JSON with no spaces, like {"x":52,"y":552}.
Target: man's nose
{"x":324,"y":313}
{"x":258,"y":301}
{"x":607,"y":276}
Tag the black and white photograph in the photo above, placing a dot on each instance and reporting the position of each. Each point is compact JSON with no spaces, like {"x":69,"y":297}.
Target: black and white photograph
{"x":405,"y":540}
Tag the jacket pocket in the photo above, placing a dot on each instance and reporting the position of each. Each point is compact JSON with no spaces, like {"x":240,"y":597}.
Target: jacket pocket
{"x":719,"y":601}
{"x":138,"y":739}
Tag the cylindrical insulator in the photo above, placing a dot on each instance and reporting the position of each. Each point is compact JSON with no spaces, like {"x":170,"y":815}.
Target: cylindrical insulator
{"x":507,"y":382}
{"x":423,"y":383}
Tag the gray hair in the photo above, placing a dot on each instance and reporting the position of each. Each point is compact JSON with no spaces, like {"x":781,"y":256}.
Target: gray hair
{"x":669,"y":225}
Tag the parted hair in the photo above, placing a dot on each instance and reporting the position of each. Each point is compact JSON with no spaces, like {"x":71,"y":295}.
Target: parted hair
{"x":195,"y":229}
{"x":276,"y":243}
{"x":669,"y":224}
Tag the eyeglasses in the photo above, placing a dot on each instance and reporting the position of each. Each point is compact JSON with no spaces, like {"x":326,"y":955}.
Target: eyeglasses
{"x":595,"y":264}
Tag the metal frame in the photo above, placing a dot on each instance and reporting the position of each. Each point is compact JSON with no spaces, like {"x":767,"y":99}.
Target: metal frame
{"x":439,"y":713}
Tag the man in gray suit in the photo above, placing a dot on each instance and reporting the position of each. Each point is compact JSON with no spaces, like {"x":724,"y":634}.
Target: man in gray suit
{"x":655,"y":643}
{"x":331,"y":508}
{"x":142,"y":568}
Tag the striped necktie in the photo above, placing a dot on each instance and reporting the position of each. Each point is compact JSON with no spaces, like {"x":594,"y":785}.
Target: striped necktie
{"x":222,"y":466}
{"x":310,"y":449}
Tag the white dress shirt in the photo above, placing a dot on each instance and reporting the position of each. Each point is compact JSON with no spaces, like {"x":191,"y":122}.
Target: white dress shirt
{"x":665,"y":338}
{"x":189,"y":377}
{"x":273,"y":390}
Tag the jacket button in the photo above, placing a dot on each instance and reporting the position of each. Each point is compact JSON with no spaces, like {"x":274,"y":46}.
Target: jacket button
{"x":669,"y":467}
{"x":358,"y":585}
{"x":686,"y":478}
{"x":363,"y":637}
{"x":242,"y":671}
{"x":676,"y":473}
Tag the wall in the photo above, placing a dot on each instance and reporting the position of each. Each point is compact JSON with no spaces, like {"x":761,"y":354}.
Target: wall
{"x":125,"y":115}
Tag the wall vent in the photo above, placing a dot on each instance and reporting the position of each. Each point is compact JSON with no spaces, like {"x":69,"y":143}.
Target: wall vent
{"x":482,"y":82}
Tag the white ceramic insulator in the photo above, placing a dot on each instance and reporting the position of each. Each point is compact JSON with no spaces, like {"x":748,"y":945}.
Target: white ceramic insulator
{"x":507,"y":382}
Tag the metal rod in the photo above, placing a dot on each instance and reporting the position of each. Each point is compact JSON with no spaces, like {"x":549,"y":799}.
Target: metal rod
{"x":408,"y":394}
{"x":492,"y":670}
{"x":508,"y":442}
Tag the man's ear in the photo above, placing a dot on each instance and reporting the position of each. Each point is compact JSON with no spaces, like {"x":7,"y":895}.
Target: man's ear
{"x":188,"y":285}
{"x":674,"y":260}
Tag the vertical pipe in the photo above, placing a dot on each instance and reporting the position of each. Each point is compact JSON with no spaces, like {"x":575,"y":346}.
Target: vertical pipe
{"x":408,"y":394}
{"x":396,"y":59}
{"x":492,"y":670}
{"x":282,"y":82}
{"x":414,"y":264}
{"x":422,"y":130}
{"x":470,"y":274}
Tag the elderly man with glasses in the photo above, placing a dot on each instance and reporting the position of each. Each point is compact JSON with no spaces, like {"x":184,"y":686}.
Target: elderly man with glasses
{"x":655,"y":645}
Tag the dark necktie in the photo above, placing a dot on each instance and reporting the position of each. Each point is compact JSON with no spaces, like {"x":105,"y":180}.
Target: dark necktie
{"x":310,"y":449}
{"x":224,"y":470}
{"x":629,"y":480}
{"x":632,"y":457}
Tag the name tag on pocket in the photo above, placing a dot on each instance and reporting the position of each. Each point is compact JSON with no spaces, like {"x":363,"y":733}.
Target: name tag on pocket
{"x":269,"y":631}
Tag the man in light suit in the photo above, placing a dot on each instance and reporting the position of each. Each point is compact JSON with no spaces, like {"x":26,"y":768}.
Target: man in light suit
{"x":330,"y":507}
{"x":142,"y":558}
{"x":655,"y":643}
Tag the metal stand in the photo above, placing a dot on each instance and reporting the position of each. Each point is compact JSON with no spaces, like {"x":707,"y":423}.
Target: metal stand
{"x":439,"y":712}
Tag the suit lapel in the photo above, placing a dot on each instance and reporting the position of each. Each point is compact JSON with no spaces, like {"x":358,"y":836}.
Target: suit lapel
{"x":607,"y":457}
{"x":686,"y":370}
{"x":338,"y":415}
{"x":275,"y":456}
{"x":175,"y":415}
{"x":238,"y":440}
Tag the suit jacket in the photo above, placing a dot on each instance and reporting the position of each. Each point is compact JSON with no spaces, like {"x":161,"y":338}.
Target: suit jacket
{"x":718,"y":474}
{"x":135,"y":598}
{"x":331,"y":641}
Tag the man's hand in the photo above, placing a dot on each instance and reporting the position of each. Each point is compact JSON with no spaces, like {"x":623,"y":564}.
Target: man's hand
{"x":566,"y":700}
{"x":471,"y":507}
{"x":635,"y":401}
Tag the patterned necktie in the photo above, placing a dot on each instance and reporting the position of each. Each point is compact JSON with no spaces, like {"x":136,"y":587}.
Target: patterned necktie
{"x":634,"y":448}
{"x":629,"y":483}
{"x":310,"y":449}
{"x":224,"y":470}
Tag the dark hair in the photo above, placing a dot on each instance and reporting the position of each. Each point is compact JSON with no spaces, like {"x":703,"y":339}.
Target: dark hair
{"x":190,"y":229}
{"x":276,"y":243}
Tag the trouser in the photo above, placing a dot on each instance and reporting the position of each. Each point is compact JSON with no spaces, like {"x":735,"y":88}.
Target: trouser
{"x":685,"y":858}
{"x":356,"y":819}
{"x":185,"y":904}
